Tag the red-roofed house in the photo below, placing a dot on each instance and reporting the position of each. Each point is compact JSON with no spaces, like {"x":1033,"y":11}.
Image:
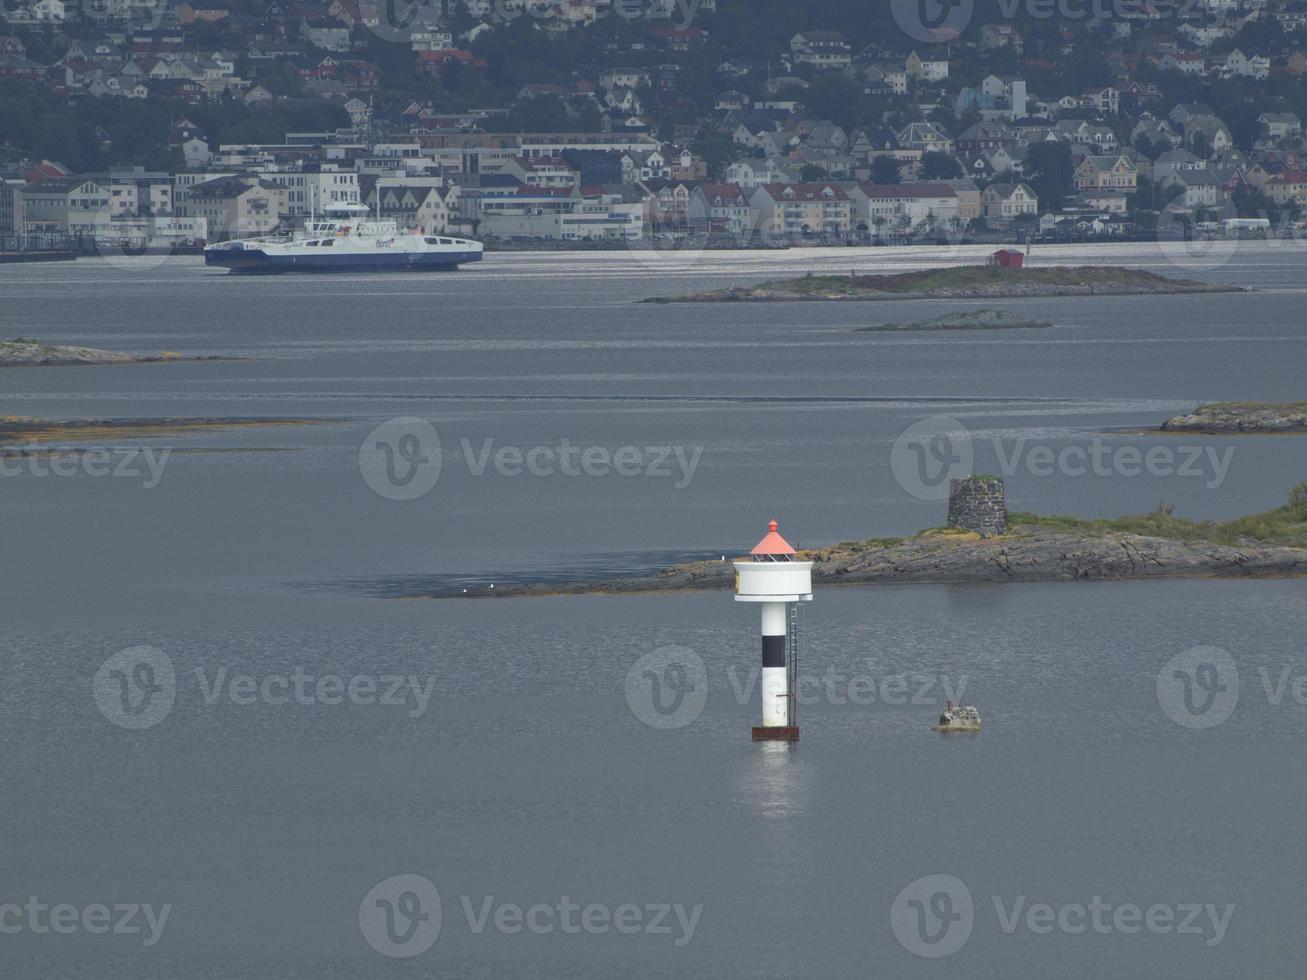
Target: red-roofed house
{"x":363,"y":75}
{"x":720,"y":208}
{"x":434,"y":63}
{"x":679,"y":38}
{"x":46,"y":170}
{"x":1291,"y":185}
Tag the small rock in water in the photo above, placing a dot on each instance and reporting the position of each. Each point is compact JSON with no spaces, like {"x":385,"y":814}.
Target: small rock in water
{"x":1245,"y":417}
{"x":968,"y":320}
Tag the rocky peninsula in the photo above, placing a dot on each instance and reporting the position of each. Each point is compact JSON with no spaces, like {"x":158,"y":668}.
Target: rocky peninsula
{"x":969,"y":320}
{"x":34,"y":353}
{"x":1232,"y":418}
{"x":1030,"y":548}
{"x":18,"y":430}
{"x":960,"y":282}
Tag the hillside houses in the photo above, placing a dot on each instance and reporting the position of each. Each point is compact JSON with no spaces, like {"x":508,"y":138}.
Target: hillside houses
{"x":674,"y":119}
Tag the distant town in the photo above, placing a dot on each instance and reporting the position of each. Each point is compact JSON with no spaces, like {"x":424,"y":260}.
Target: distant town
{"x":526,"y":123}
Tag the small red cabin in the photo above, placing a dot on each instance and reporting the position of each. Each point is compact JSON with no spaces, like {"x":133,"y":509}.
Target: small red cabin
{"x":1007,"y":258}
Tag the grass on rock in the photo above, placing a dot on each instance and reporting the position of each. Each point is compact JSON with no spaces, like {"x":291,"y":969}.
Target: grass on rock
{"x":966,"y":276}
{"x":1285,"y":525}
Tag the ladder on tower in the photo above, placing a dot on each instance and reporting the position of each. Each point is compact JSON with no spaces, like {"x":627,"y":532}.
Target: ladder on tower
{"x":792,"y":663}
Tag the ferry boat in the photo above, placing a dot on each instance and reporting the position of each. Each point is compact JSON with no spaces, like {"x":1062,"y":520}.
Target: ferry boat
{"x":345,"y":238}
{"x":958,"y":718}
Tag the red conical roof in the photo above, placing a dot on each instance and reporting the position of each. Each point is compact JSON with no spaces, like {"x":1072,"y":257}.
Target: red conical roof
{"x":772,"y":543}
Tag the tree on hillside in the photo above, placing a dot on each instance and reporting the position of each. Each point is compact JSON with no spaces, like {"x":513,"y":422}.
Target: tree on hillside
{"x":835,"y":96}
{"x":1152,"y":196}
{"x":940,"y":166}
{"x":1051,"y":172}
{"x":717,"y":151}
{"x":1253,"y":203}
{"x":885,"y":170}
{"x":536,"y":114}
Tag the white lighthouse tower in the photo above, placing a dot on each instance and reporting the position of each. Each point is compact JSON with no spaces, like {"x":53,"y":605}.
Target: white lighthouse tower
{"x":775,"y":580}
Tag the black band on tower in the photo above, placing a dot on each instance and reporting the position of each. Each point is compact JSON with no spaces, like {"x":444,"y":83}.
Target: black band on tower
{"x":773,"y":651}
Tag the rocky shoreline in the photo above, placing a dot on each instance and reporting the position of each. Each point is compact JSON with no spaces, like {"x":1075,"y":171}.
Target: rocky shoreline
{"x":969,"y":320}
{"x":15,"y":430}
{"x":33,"y":353}
{"x":1229,"y":418}
{"x":963,"y":282}
{"x":984,"y":542}
{"x":940,"y":558}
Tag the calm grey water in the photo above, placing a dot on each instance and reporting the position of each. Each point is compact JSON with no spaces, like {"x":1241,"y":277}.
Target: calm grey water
{"x":530,"y":774}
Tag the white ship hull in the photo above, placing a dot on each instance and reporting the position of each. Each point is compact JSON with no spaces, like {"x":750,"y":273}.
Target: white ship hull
{"x":333,"y":246}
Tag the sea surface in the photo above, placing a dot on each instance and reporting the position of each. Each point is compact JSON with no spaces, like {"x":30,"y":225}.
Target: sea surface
{"x":198,"y":636}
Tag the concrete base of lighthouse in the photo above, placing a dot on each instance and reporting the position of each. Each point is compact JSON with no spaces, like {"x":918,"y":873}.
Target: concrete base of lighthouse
{"x":776,"y":733}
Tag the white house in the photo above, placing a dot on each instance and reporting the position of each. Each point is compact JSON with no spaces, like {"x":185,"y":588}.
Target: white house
{"x":750,"y":174}
{"x":823,"y":50}
{"x":791,"y":210}
{"x":903,"y":206}
{"x":49,"y":11}
{"x":614,"y":78}
{"x":1257,"y":67}
{"x":1004,"y":203}
{"x":64,"y":204}
{"x":307,"y":193}
{"x":237,"y":206}
{"x":927,"y":68}
{"x":195,"y":152}
{"x":1200,"y":189}
{"x":1280,"y":125}
{"x":721,"y":207}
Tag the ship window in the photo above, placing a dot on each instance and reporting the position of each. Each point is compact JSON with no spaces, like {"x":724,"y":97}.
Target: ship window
{"x":310,"y":244}
{"x":327,"y":242}
{"x":432,"y":241}
{"x":446,"y":241}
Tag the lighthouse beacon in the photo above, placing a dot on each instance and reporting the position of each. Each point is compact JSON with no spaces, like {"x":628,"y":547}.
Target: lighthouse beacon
{"x":778,"y":583}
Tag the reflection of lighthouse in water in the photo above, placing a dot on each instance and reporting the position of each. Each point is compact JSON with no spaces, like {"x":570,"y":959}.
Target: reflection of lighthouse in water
{"x":778,"y":583}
